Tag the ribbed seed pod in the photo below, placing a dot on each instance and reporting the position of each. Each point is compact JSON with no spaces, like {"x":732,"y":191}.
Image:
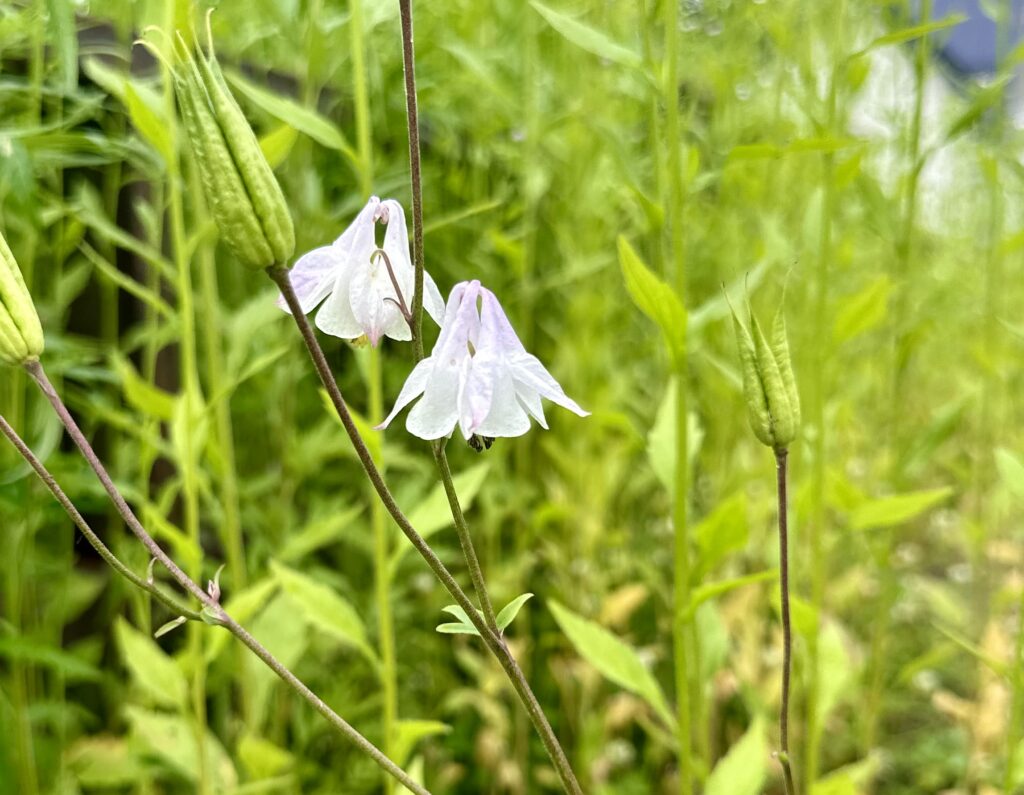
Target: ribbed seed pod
{"x":769,"y":386}
{"x":244,"y":196}
{"x":21,"y":336}
{"x":263,"y":188}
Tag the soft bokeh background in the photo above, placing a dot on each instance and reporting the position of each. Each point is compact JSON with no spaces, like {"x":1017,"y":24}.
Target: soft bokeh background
{"x":826,"y":148}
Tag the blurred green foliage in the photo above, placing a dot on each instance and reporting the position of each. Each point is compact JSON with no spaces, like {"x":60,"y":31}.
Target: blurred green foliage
{"x":543,"y":130}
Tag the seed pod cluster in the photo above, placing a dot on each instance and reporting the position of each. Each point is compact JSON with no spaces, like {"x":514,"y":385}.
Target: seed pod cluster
{"x":769,"y":387}
{"x":243,"y":194}
{"x":21,"y":336}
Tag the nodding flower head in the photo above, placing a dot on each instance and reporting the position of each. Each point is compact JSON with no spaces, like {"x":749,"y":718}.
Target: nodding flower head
{"x":769,"y":386}
{"x":368,"y":288}
{"x":21,"y":336}
{"x":479,"y":376}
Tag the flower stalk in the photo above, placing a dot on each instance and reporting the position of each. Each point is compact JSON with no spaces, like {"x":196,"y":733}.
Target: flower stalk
{"x":212,"y":611}
{"x":495,"y":644}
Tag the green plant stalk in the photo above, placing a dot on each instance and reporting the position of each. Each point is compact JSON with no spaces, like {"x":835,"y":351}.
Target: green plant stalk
{"x":190,"y":391}
{"x":680,"y":491}
{"x":212,"y":610}
{"x":494,"y":642}
{"x":818,"y":388}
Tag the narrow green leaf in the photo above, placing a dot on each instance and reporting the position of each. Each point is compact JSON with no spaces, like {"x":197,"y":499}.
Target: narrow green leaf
{"x":911,"y":33}
{"x":711,"y":590}
{"x":457,"y":628}
{"x":897,"y":509}
{"x":613,"y":658}
{"x":508,"y":613}
{"x":170,"y":626}
{"x":585,"y":37}
{"x":290,"y":112}
{"x":410,"y":732}
{"x":655,"y":299}
{"x":863,"y":311}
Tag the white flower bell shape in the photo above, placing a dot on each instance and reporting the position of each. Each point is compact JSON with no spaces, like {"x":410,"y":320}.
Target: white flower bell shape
{"x":355,"y":280}
{"x":479,"y":376}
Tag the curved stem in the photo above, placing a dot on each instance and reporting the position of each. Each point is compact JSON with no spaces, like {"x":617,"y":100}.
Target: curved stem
{"x":492,"y":640}
{"x":781,"y":456}
{"x":212,"y":607}
{"x":94,"y":540}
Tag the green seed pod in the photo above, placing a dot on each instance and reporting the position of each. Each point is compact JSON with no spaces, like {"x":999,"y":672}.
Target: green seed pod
{"x":769,"y":385}
{"x":244,"y":196}
{"x":21,"y":336}
{"x":263,"y":189}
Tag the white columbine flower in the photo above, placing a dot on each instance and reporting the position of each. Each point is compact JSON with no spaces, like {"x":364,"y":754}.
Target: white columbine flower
{"x":479,"y":375}
{"x":354,"y":278}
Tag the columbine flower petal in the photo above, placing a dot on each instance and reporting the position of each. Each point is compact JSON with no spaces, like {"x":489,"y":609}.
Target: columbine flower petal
{"x":354,"y":279}
{"x":479,"y":376}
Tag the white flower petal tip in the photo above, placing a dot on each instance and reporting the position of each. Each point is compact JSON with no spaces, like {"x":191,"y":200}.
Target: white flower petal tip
{"x":478,"y":377}
{"x":356,"y":287}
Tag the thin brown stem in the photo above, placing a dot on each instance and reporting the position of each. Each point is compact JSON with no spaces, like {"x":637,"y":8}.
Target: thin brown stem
{"x":104,"y":552}
{"x":415,"y":176}
{"x":781,"y":457}
{"x":213,"y":612}
{"x":492,"y":640}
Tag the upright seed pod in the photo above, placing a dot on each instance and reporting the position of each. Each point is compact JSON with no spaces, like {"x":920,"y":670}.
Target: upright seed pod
{"x":244,"y":196}
{"x":263,"y":188}
{"x":21,"y":335}
{"x":769,"y":386}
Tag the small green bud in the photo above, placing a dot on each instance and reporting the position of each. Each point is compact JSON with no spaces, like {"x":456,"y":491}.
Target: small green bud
{"x":21,"y":336}
{"x":244,"y":196}
{"x":769,"y":387}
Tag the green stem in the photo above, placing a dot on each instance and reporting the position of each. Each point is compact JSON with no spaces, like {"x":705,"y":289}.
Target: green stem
{"x":493,"y":641}
{"x":681,"y":554}
{"x":465,"y":538}
{"x":212,"y":608}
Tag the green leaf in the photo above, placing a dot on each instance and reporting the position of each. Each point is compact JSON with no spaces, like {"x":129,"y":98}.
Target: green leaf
{"x":863,"y":311}
{"x":151,"y":126}
{"x":613,"y":658}
{"x":290,"y":112}
{"x":457,"y":628}
{"x":911,"y":33}
{"x":836,"y":673}
{"x":318,"y":533}
{"x":897,"y":509}
{"x":711,"y":590}
{"x":262,"y":758}
{"x":140,"y":394}
{"x":172,"y":740}
{"x":37,"y":653}
{"x":655,"y":299}
{"x":156,"y":674}
{"x":324,"y":608}
{"x":722,"y":531}
{"x":410,"y":732}
{"x":102,"y":761}
{"x":742,"y":770}
{"x":434,"y":513}
{"x":276,"y":144}
{"x":1011,"y":471}
{"x":170,"y":626}
{"x":587,"y":38}
{"x":661,"y":441}
{"x":508,"y":613}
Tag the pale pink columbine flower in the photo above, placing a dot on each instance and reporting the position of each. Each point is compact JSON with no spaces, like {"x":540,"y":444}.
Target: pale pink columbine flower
{"x":354,"y":277}
{"x":478,"y":376}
